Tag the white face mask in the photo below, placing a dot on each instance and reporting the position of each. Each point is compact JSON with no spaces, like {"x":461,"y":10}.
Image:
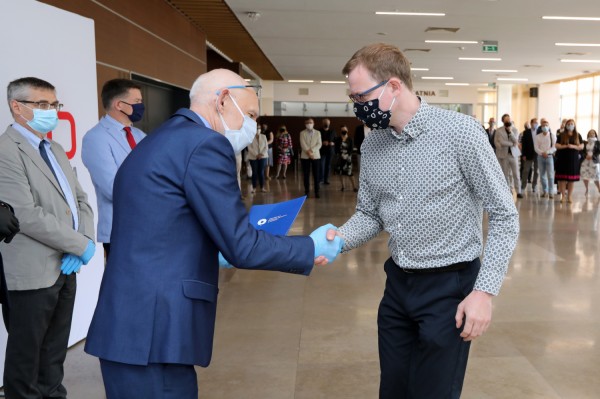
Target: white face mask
{"x":570,"y":127}
{"x":242,"y":137}
{"x":309,"y":126}
{"x":592,"y":138}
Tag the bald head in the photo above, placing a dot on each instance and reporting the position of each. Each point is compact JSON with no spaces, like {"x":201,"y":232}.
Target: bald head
{"x":222,"y":96}
{"x":206,"y":86}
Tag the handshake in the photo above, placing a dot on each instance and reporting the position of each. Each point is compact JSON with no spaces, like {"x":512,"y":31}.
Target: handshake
{"x":328,"y":245}
{"x":72,"y":263}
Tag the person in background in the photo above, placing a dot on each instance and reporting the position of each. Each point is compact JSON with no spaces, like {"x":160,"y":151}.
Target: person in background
{"x":506,"y":139}
{"x":545,"y":148}
{"x":285,"y":150}
{"x":310,"y":143}
{"x":106,"y":145}
{"x":568,"y":145}
{"x":590,"y":164}
{"x":327,"y":150}
{"x":360,"y":132}
{"x":56,"y":239}
{"x":176,"y":206}
{"x":343,"y":150}
{"x":529,"y":156}
{"x":438,"y":294}
{"x":268,"y":133}
{"x":257,"y":154}
{"x":490,"y":131}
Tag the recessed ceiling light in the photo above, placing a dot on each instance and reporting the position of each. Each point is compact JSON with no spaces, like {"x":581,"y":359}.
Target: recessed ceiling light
{"x":452,"y":41}
{"x":478,"y":59}
{"x":513,"y":79}
{"x":578,"y":44}
{"x":300,"y":81}
{"x":499,"y":70}
{"x":438,"y":77}
{"x":333,"y":81}
{"x":592,"y":61}
{"x":456,"y":84}
{"x":414,"y":14}
{"x":573,"y":18}
{"x":419,"y":69}
{"x":248,"y":80}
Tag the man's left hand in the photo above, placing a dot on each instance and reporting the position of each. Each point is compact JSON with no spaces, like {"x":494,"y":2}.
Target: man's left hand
{"x":476,"y":311}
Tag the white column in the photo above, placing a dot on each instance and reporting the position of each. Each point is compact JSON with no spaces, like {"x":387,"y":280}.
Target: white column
{"x":504,"y":101}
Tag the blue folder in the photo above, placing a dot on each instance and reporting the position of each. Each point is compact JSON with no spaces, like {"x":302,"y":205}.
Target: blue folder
{"x":276,"y":218}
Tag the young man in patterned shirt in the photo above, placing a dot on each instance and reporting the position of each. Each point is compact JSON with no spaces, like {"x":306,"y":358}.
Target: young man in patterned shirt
{"x":427,"y":175}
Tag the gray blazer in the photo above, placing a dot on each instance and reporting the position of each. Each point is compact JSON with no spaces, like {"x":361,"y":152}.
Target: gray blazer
{"x":32,"y":260}
{"x":503,"y":141}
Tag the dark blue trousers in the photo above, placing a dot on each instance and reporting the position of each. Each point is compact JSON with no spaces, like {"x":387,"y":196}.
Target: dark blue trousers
{"x":421,"y":353}
{"x":154,"y":381}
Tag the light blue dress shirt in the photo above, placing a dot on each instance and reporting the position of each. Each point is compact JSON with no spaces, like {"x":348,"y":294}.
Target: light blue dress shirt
{"x":62,"y":179}
{"x":104,"y":149}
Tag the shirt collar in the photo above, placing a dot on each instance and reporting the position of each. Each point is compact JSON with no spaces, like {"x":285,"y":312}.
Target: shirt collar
{"x":203,"y":120}
{"x":115,"y":123}
{"x":416,"y":125}
{"x":30,"y":137}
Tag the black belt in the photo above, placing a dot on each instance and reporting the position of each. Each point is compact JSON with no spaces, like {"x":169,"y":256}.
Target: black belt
{"x":451,"y":268}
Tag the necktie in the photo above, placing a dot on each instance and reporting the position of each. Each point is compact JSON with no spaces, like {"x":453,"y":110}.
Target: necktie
{"x":129,"y":136}
{"x":44,"y":155}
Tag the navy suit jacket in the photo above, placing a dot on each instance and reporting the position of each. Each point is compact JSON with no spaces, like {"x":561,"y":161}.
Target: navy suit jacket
{"x":176,"y":205}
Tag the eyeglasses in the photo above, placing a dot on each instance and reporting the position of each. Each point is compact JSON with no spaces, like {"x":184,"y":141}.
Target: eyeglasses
{"x":43,"y":104}
{"x":361,"y":98}
{"x":257,"y":88}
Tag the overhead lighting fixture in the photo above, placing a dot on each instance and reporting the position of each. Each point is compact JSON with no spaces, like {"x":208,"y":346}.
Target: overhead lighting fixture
{"x":584,"y":61}
{"x":248,"y":80}
{"x":456,"y":84}
{"x":513,"y":79}
{"x":437,"y":77}
{"x":419,"y":69}
{"x":452,"y":41}
{"x":578,"y":44}
{"x":499,"y":70}
{"x":300,"y":81}
{"x":478,"y":59}
{"x":572,"y":18}
{"x":333,"y":81}
{"x":413,"y":14}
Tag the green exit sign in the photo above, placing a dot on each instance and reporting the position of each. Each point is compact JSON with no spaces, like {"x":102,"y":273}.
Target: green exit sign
{"x":490,"y":48}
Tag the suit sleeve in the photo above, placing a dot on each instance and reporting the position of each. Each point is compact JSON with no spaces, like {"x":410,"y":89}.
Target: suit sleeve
{"x":97,"y":157}
{"x":34,"y":221}
{"x":212,"y":191}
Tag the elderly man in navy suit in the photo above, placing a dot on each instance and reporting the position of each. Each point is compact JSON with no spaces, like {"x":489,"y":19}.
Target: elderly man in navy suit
{"x":176,"y":205}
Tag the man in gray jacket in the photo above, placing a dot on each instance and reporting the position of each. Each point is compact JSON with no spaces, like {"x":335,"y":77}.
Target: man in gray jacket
{"x":56,"y":238}
{"x":506,"y":139}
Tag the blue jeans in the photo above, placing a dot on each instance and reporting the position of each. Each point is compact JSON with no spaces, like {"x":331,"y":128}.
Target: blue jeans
{"x":546,"y":167}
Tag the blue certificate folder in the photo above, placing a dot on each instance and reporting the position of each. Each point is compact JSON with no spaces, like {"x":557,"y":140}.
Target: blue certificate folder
{"x":276,"y":218}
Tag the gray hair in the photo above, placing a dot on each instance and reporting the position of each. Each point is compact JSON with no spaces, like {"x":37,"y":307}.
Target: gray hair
{"x":19,"y":89}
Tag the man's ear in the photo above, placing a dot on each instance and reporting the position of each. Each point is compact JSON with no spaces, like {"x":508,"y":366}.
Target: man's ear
{"x":396,"y":85}
{"x":221,"y":95}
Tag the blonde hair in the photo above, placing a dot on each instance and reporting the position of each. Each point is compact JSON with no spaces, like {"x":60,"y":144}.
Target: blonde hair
{"x":383,"y":61}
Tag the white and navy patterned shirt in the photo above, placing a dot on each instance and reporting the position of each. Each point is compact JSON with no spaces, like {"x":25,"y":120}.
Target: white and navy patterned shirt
{"x":428,"y":187}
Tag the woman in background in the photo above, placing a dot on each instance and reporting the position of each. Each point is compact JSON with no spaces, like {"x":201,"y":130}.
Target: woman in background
{"x":285,"y":151}
{"x":568,"y":146}
{"x":343,"y":150}
{"x":590,"y":164}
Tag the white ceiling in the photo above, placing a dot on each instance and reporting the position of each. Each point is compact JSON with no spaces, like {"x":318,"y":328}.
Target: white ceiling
{"x":312,"y":39}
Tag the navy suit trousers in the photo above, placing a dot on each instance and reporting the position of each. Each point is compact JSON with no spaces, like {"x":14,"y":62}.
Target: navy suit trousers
{"x":421,"y":353}
{"x":154,"y":381}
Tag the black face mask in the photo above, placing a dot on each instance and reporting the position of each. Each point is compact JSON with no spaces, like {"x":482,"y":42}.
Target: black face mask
{"x":507,"y":124}
{"x":344,"y":133}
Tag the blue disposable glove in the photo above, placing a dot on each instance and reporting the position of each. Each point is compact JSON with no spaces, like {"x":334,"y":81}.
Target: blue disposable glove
{"x":324,"y":247}
{"x":89,"y":252}
{"x":70,"y":263}
{"x":223,"y":263}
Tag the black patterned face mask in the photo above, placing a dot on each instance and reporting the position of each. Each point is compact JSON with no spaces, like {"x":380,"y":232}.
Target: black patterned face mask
{"x":371,"y":115}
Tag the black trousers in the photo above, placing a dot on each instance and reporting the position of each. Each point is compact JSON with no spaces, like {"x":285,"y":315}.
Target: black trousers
{"x":421,"y":353}
{"x":307,"y":165}
{"x":326,"y":158}
{"x":106,"y":246}
{"x":40,"y":323}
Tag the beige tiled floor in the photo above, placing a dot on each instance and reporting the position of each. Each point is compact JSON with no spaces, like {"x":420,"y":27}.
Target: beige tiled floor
{"x":289,"y":337}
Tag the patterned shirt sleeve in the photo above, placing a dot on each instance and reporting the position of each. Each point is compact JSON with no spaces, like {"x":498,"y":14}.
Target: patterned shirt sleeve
{"x":484,"y":176}
{"x":365,"y":224}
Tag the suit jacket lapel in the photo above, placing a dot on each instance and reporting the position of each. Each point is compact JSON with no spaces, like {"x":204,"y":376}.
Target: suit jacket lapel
{"x":34,"y":155}
{"x":112,"y":132}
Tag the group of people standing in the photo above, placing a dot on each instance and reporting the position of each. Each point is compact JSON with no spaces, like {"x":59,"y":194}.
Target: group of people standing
{"x":564,"y":157}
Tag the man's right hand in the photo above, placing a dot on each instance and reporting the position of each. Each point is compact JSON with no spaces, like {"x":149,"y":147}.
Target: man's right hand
{"x":327,"y":245}
{"x":9,"y":224}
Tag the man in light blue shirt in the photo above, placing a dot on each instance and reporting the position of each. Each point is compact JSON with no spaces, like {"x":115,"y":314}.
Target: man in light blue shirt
{"x":106,"y":145}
